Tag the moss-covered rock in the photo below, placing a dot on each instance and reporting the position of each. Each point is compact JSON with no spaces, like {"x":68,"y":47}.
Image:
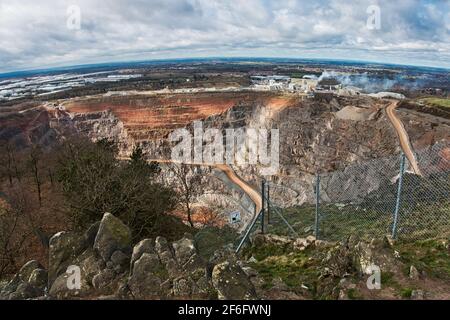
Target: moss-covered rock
{"x":63,"y":251}
{"x":232,"y":283}
{"x":112,"y":235}
{"x":147,"y":277}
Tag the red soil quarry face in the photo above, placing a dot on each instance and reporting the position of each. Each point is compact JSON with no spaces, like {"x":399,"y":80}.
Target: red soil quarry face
{"x":169,"y":111}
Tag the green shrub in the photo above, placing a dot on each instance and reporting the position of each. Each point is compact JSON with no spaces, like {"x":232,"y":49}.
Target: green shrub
{"x":94,"y":182}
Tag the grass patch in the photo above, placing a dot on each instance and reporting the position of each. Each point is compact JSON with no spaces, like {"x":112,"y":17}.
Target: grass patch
{"x":353,"y":294}
{"x":406,"y":293}
{"x":431,"y":256}
{"x":437,"y":102}
{"x":337,"y":222}
{"x":210,"y":239}
{"x":293,"y":268}
{"x":262,"y":252}
{"x":387,"y":279}
{"x":301,"y":218}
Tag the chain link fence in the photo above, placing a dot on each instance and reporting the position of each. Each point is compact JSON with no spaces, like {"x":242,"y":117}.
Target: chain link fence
{"x":368,"y":200}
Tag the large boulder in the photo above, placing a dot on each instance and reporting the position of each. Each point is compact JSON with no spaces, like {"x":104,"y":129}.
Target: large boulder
{"x":162,"y":246}
{"x":90,"y":264}
{"x":28,"y":268}
{"x":10,"y":287}
{"x":194,"y":285}
{"x":25,"y":291}
{"x":112,"y":235}
{"x":145,"y":246}
{"x":64,"y":247}
{"x":270,"y":239}
{"x":184,"y":249}
{"x":39,"y":279}
{"x":162,"y":269}
{"x":103,"y":280}
{"x":120,"y":261}
{"x":232,"y":283}
{"x":187,"y":256}
{"x":147,"y":277}
{"x":166,"y":256}
{"x":182,"y":287}
{"x":60,"y":289}
{"x":374,"y":253}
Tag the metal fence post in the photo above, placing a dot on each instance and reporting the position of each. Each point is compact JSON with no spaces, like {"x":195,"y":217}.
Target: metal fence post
{"x":399,"y":195}
{"x":268,"y":203}
{"x":317,"y":191}
{"x":263,"y":193}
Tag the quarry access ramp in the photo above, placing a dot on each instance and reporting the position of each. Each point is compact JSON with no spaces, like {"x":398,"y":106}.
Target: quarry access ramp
{"x":403,"y":136}
{"x":251,"y":192}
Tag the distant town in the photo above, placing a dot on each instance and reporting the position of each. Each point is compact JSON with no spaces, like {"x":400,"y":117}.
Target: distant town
{"x":13,"y":89}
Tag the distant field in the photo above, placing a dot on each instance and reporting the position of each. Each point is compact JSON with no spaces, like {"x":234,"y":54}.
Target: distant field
{"x":438,"y":102}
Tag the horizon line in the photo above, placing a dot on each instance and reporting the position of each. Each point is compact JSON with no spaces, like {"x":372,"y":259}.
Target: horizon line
{"x":71,"y":67}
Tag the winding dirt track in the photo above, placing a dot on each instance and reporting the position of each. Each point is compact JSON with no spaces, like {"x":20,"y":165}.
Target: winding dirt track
{"x":251,"y":192}
{"x":403,"y":137}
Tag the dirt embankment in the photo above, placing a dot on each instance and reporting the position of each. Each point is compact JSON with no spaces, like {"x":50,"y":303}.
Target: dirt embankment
{"x":171,"y":110}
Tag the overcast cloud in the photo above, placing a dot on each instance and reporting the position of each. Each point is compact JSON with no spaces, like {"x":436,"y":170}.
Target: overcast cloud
{"x":34,"y":33}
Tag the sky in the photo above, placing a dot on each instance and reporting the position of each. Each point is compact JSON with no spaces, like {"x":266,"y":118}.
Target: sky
{"x":49,"y":33}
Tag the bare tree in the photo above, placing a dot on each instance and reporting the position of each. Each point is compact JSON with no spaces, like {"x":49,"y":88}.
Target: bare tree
{"x":8,"y":163}
{"x":35,"y":158}
{"x":188,"y":180}
{"x":13,"y":232}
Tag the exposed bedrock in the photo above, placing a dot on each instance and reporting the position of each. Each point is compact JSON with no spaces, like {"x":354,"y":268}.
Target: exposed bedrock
{"x":314,"y":136}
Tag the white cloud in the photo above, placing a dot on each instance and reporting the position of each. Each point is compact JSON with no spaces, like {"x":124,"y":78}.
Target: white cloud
{"x":33,"y":33}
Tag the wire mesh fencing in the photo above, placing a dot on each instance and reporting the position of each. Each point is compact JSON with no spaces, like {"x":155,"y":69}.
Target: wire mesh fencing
{"x":369,"y":200}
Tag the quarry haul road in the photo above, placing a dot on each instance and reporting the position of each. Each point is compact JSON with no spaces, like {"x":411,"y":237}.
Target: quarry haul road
{"x":403,"y":137}
{"x":251,"y":192}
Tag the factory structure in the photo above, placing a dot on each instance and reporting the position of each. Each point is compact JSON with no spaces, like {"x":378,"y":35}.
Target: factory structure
{"x":311,"y":86}
{"x":308,"y":85}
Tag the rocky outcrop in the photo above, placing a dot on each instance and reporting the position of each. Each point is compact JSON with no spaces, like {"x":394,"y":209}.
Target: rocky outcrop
{"x":171,"y":270}
{"x":30,"y":282}
{"x":102,"y":255}
{"x":107,"y":266}
{"x":273,"y":267}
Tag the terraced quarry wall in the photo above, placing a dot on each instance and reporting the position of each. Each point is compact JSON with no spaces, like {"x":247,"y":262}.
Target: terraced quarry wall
{"x":150,"y":117}
{"x":312,"y":137}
